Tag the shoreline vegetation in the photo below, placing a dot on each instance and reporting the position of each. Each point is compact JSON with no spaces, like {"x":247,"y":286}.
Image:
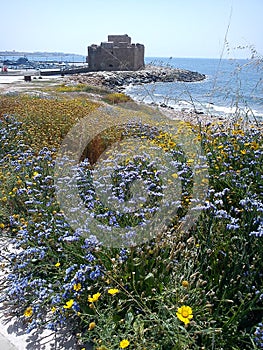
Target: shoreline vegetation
{"x":119,"y":81}
{"x":183,"y":289}
{"x":97,"y":84}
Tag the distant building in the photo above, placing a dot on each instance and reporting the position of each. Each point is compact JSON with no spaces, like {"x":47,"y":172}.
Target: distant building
{"x":118,"y":53}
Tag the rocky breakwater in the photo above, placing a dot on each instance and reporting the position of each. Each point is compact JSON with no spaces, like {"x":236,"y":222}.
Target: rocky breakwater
{"x":118,"y":80}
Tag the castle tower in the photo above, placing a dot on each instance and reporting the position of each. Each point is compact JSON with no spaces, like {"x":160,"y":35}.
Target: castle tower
{"x":118,"y":53}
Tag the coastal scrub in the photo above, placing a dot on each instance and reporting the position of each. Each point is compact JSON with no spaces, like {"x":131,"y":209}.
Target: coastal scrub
{"x":193,"y":289}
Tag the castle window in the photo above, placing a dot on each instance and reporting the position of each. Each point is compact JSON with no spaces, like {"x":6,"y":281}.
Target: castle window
{"x":110,"y":65}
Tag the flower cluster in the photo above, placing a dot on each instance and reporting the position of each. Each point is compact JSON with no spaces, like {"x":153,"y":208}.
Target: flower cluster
{"x":179,"y":289}
{"x":259,"y":335}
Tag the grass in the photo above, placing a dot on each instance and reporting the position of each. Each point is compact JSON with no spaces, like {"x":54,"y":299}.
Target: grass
{"x":82,"y":88}
{"x":132,"y":297}
{"x":46,"y":120}
{"x":116,"y":98}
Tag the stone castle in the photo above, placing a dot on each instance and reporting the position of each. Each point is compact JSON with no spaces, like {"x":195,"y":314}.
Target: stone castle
{"x":117,"y":54}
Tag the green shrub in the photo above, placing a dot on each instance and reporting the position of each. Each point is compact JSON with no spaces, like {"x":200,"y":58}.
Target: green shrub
{"x":116,"y":97}
{"x":82,"y":88}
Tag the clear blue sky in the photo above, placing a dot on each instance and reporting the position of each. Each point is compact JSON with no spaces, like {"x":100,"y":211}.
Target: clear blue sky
{"x":177,"y":28}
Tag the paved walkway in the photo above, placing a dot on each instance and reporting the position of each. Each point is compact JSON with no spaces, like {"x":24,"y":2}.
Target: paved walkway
{"x":14,"y":337}
{"x":5,"y":343}
{"x":13,"y":334}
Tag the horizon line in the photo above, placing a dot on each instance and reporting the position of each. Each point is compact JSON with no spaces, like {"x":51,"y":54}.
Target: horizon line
{"x":9,"y":53}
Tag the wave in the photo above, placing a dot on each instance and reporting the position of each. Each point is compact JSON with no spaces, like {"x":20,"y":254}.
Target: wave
{"x":191,"y":105}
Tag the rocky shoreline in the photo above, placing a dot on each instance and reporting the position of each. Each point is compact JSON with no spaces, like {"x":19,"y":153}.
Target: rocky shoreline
{"x":119,"y":80}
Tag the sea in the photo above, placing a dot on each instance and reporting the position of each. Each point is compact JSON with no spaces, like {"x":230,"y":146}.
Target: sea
{"x":43,"y":57}
{"x":231,"y":86}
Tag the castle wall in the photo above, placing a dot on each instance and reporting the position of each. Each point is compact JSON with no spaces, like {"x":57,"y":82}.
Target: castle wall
{"x":116,"y":54}
{"x":139,"y":57}
{"x":120,"y":38}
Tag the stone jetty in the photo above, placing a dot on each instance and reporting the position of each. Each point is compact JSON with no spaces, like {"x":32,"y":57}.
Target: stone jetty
{"x":118,"y":80}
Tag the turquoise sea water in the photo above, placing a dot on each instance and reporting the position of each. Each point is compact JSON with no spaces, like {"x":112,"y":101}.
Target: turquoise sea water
{"x":229,"y":84}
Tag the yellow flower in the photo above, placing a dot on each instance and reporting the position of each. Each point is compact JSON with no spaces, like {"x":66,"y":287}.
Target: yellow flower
{"x":254,"y":145}
{"x":124,"y":343}
{"x":92,"y":325}
{"x":185,"y":284}
{"x":35,"y":173}
{"x":28,"y":312}
{"x":2,"y":226}
{"x":69,"y":304}
{"x":94,"y":297}
{"x":185,"y":314}
{"x":57,"y":264}
{"x":53,"y":309}
{"x":77,"y":287}
{"x":171,"y":143}
{"x":113,"y":291}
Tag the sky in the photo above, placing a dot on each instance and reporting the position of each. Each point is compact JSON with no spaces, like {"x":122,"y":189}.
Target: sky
{"x":167,"y":28}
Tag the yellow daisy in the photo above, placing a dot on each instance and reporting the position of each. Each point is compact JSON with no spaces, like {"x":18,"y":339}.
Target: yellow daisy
{"x":124,"y":343}
{"x":185,"y":314}
{"x":94,"y":297}
{"x":113,"y":291}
